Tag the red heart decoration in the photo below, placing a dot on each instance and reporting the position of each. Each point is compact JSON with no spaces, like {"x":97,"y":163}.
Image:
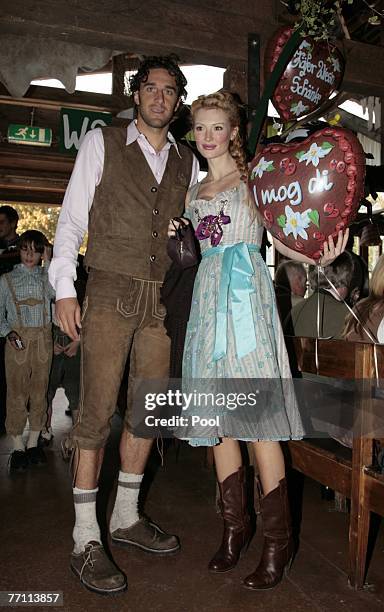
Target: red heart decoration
{"x":309,"y":190}
{"x":314,"y":72}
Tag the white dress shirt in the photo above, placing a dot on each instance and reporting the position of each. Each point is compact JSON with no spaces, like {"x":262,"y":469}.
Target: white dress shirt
{"x":87,"y":172}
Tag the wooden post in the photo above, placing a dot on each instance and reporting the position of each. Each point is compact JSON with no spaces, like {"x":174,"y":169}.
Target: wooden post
{"x":361,"y":458}
{"x":235,"y":80}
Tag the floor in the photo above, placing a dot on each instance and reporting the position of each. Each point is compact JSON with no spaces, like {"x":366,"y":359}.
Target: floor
{"x":37,"y":515}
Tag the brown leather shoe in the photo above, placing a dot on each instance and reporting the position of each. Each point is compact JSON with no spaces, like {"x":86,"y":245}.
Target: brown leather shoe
{"x":148,"y":536}
{"x":278,"y":548}
{"x":96,"y":571}
{"x":237,"y":525}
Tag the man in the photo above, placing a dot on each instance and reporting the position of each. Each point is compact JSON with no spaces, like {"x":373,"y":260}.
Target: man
{"x":9,"y":254}
{"x":9,"y":257}
{"x":127,"y":183}
{"x":8,"y":224}
{"x":290,"y":286}
{"x":323,"y":313}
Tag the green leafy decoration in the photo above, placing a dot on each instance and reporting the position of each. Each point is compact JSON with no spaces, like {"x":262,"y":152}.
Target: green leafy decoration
{"x":318,"y":18}
{"x":314,"y":217}
{"x":270,"y":168}
{"x":300,"y":154}
{"x":374,"y":20}
{"x":281,"y":220}
{"x":327,"y":146}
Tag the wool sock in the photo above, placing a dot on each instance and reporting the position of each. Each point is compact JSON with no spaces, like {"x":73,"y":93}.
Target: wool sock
{"x":17,"y":442}
{"x":86,"y":527}
{"x":32,"y":438}
{"x":125,"y":512}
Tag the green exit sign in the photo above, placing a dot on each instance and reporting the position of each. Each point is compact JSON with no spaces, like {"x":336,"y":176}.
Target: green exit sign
{"x":29,"y":135}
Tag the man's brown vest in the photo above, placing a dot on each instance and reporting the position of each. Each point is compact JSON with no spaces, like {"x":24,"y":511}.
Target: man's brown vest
{"x":130,"y":212}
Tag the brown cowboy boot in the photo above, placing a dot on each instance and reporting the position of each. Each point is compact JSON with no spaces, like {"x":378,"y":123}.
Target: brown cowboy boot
{"x":237,"y":526}
{"x":278,"y":547}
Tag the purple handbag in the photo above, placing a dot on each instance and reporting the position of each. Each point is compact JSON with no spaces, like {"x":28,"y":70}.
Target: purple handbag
{"x":181,"y":248}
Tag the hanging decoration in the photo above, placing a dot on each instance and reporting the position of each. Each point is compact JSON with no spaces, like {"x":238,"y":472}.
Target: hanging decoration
{"x":309,"y":190}
{"x":313,"y":73}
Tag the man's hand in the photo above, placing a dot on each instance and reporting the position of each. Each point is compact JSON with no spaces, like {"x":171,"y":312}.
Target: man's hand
{"x":57,"y":349}
{"x":174,"y":225}
{"x":67,"y":313}
{"x":72,"y":348}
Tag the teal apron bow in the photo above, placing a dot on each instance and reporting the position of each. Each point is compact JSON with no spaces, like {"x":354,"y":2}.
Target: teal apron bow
{"x":236,"y":286}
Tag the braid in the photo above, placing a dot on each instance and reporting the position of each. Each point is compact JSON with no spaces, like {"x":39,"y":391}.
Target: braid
{"x":236,"y":149}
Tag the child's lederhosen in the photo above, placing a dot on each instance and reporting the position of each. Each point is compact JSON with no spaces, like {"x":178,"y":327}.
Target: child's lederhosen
{"x":27,"y":371}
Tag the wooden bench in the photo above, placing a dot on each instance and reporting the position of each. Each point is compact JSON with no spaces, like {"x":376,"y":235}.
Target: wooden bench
{"x":354,"y":478}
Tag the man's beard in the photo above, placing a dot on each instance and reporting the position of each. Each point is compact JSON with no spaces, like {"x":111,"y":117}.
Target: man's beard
{"x":155,"y":122}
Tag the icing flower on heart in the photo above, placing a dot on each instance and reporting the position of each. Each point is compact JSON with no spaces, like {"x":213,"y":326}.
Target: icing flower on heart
{"x":314,"y":153}
{"x":299,"y":108}
{"x":296,"y":223}
{"x":335,"y":64}
{"x":262,"y":166}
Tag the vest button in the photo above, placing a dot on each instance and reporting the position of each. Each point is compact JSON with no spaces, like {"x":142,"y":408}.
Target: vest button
{"x":153,"y":189}
{"x":154,"y":234}
{"x":155,"y":211}
{"x":152,"y":257}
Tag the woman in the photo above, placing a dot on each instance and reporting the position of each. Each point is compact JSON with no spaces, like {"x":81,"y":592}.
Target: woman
{"x":243,"y":341}
{"x":369,"y":311}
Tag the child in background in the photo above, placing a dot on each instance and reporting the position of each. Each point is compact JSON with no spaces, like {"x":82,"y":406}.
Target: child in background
{"x":25,"y":320}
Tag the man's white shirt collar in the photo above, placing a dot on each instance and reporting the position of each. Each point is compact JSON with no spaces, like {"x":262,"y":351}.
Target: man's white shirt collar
{"x":134,"y":134}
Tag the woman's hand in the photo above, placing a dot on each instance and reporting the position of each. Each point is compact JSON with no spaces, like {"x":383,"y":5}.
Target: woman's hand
{"x":331,"y":251}
{"x":174,"y":225}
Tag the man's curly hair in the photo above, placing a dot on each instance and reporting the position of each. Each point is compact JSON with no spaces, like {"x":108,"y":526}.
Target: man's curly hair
{"x":169,"y":63}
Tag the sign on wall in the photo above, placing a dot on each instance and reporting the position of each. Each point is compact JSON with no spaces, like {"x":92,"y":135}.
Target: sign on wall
{"x":29,"y":135}
{"x":74,"y":124}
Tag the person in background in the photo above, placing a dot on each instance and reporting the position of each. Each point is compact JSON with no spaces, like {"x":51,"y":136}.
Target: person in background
{"x":8,"y":225}
{"x":9,"y":257}
{"x":369,"y":311}
{"x":290,"y":286}
{"x":25,"y":321}
{"x":322,"y":314}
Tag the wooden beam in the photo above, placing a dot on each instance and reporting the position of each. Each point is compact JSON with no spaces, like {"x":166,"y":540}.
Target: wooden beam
{"x":17,"y":182}
{"x":213,"y":32}
{"x":364,"y":68}
{"x":206,"y":32}
{"x":31,"y":160}
{"x":53,"y":98}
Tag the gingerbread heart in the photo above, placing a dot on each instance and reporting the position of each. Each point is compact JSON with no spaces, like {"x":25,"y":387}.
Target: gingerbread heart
{"x":309,"y":190}
{"x":314,"y":72}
